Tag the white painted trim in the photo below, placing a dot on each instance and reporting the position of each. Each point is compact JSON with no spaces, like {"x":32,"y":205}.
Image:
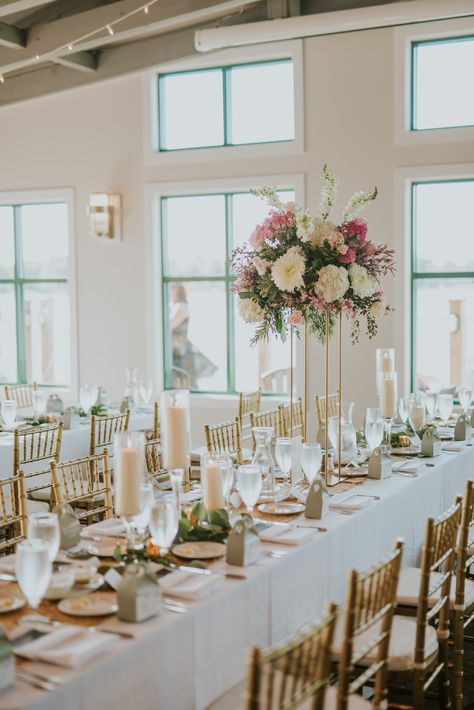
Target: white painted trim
{"x":278,"y":50}
{"x":403,"y":38}
{"x":18,"y":197}
{"x":153,"y":193}
{"x":403,"y":180}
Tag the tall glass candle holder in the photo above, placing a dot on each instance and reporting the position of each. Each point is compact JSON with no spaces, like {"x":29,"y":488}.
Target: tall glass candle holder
{"x":175,"y":430}
{"x":384,"y":363}
{"x":388,"y":403}
{"x":129,"y":474}
{"x":216,"y":470}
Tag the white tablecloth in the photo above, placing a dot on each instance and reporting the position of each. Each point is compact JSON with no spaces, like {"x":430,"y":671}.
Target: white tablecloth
{"x":185,"y":661}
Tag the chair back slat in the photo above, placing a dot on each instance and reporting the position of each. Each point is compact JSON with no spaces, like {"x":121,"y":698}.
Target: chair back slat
{"x":21,"y":394}
{"x":84,"y":482}
{"x":320,"y":404}
{"x":298,"y":418}
{"x":290,"y":674}
{"x":224,"y":437}
{"x":269,"y":417}
{"x":104,"y":428}
{"x":156,"y":421}
{"x":155,"y":472}
{"x":12,"y":512}
{"x":33,"y":445}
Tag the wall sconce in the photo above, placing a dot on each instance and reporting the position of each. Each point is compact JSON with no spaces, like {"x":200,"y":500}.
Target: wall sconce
{"x":105,"y":215}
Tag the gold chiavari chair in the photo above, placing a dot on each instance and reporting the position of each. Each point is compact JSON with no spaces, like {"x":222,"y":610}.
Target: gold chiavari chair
{"x":248,"y":402}
{"x":22,"y":394}
{"x":30,"y":447}
{"x":153,"y":463}
{"x":225,"y":437}
{"x":269,"y":417}
{"x":320,"y":404}
{"x":362,"y":639}
{"x":294,"y":674}
{"x":84,"y":483}
{"x":298,"y":418}
{"x":103,"y":429}
{"x":156,"y":421}
{"x":12,"y":512}
{"x":424,"y":593}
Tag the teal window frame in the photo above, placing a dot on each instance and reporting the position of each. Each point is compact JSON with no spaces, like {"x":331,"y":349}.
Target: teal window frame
{"x":420,"y":275}
{"x":19,"y":282}
{"x":226,"y":102}
{"x":414,"y":47}
{"x":227,"y":279}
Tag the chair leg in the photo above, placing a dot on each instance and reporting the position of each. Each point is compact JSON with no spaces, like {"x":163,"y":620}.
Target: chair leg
{"x":458,"y":659}
{"x":445,"y":701}
{"x":418,"y":690}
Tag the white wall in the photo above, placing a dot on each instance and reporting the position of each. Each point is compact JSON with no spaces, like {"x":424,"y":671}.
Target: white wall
{"x":91,"y":139}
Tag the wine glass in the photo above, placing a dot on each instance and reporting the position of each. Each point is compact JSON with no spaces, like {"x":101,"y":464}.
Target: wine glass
{"x":464,"y":395}
{"x":8,"y":412}
{"x":283,"y":455}
{"x":417,"y":412}
{"x":374,"y":425}
{"x":431,"y":401}
{"x":39,"y":402}
{"x":45,"y":526}
{"x":33,"y":568}
{"x":403,"y":404}
{"x":147,"y":498}
{"x":445,"y":407}
{"x":145,"y":387}
{"x":249,"y":484}
{"x":164,"y":522}
{"x":86,"y":397}
{"x":311,"y":456}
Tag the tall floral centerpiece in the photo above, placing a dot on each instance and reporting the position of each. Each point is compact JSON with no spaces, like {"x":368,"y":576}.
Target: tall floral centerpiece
{"x":299,"y":267}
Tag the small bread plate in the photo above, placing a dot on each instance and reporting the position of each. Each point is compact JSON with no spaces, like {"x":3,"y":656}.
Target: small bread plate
{"x":101,"y":604}
{"x":200,"y":550}
{"x":281,"y":508}
{"x":11,"y":602}
{"x":405,"y":451}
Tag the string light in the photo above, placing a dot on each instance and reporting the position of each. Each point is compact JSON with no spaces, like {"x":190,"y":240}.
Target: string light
{"x":108,"y":27}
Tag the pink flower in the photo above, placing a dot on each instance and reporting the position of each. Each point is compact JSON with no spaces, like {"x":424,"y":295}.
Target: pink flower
{"x":356,"y":228}
{"x":348,"y":257}
{"x":378,"y":294}
{"x":256,"y":238}
{"x":370,"y":249}
{"x":296,"y":318}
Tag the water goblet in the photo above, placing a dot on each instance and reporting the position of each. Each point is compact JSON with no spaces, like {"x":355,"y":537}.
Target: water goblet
{"x":8,"y":410}
{"x":45,"y":526}
{"x":464,"y":396}
{"x":311,"y":457}
{"x":249,"y":484}
{"x":147,"y":498}
{"x":283,"y":455}
{"x":145,"y":388}
{"x":374,"y":425}
{"x":33,"y":568}
{"x":39,"y":402}
{"x":431,"y":401}
{"x":417,"y":412}
{"x":164,"y":522}
{"x":403,"y":405}
{"x":445,"y":407}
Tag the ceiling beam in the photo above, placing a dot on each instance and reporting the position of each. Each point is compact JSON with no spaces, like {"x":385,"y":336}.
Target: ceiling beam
{"x":12,"y":37}
{"x":81,"y":61}
{"x":11,"y":7}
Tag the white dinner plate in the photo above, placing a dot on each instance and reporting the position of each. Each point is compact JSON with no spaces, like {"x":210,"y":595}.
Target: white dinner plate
{"x":11,"y":602}
{"x":103,"y":548}
{"x":281,"y":508}
{"x":200,"y":550}
{"x":101,"y":604}
{"x":405,"y":451}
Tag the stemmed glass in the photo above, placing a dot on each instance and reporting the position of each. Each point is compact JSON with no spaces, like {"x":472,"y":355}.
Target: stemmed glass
{"x":283,"y":455}
{"x":33,"y":568}
{"x":249,"y":484}
{"x":445,"y":407}
{"x":39,"y":402}
{"x":45,"y":527}
{"x":145,"y":388}
{"x":311,"y":456}
{"x":147,"y":498}
{"x":8,"y":410}
{"x":464,"y":395}
{"x":164,"y":522}
{"x":431,"y":401}
{"x":374,"y":425}
{"x":417,"y":412}
{"x":403,"y":405}
{"x":88,"y":396}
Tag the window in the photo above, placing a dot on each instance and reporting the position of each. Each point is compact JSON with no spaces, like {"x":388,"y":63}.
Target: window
{"x":442,"y":284}
{"x":442,"y":83}
{"x":35,"y":331}
{"x":206,"y":343}
{"x":227,"y":106}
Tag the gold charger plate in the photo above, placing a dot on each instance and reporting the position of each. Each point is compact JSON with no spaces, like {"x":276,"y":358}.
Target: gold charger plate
{"x":281,"y":508}
{"x":11,"y":602}
{"x":90,"y":605}
{"x":200,"y":550}
{"x":405,"y":451}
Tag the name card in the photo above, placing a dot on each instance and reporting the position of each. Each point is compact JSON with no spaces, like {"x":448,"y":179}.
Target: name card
{"x":380,"y":465}
{"x":431,"y":442}
{"x":463,"y":428}
{"x":317,"y":501}
{"x":69,"y":526}
{"x":138,"y":594}
{"x":243,"y":544}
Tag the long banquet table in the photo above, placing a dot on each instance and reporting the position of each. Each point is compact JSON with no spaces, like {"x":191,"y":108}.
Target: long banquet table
{"x":184,"y":661}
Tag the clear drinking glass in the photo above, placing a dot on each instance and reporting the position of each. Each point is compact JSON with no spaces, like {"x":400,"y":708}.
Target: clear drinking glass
{"x":249,"y":484}
{"x":147,"y":498}
{"x":348,"y":435}
{"x":8,"y":410}
{"x":164,"y":522}
{"x":145,"y":388}
{"x":33,"y":568}
{"x":445,"y":406}
{"x":45,"y":526}
{"x":88,"y":396}
{"x":283,"y":455}
{"x":373,"y":428}
{"x":465,"y":395}
{"x":417,"y":412}
{"x":264,"y":459}
{"x":311,"y":456}
{"x":431,"y":402}
{"x":39,"y":402}
{"x":403,"y":404}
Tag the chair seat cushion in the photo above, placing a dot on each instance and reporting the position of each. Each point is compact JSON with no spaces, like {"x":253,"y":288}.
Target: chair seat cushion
{"x":409,"y":588}
{"x":43,"y":494}
{"x":356,"y":702}
{"x":402,"y":643}
{"x":36,"y":506}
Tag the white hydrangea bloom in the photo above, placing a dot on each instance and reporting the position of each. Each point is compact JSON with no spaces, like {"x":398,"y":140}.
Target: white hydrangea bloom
{"x":250,"y":311}
{"x":288,"y":270}
{"x":305,"y":226}
{"x":322,"y":230}
{"x":332,"y":283}
{"x":262,"y":265}
{"x":362,"y":283}
{"x":377,"y":309}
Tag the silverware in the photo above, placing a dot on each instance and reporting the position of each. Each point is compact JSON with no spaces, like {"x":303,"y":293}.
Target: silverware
{"x":173,"y":605}
{"x":40,"y":675}
{"x":116,"y":632}
{"x":35,"y":682}
{"x":7,"y":578}
{"x":276,"y":554}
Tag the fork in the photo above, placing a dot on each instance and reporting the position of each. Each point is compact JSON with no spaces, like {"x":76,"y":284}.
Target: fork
{"x":276,"y":554}
{"x":35,"y":682}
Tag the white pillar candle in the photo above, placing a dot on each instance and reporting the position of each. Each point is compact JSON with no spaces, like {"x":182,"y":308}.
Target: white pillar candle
{"x":212,"y":487}
{"x":127,"y":482}
{"x":175,"y":437}
{"x":388,"y":397}
{"x":386,"y":363}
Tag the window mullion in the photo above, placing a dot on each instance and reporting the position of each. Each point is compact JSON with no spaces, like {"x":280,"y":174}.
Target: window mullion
{"x":229,"y":297}
{"x":226,"y":98}
{"x":19,"y":297}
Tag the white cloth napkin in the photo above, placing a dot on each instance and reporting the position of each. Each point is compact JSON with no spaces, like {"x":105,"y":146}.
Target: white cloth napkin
{"x":191,"y":496}
{"x":408,"y":466}
{"x":290,"y":535}
{"x":105,"y":528}
{"x":187,"y":585}
{"x":67,"y":646}
{"x":7,"y":564}
{"x":351,"y":504}
{"x":455,"y":446}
